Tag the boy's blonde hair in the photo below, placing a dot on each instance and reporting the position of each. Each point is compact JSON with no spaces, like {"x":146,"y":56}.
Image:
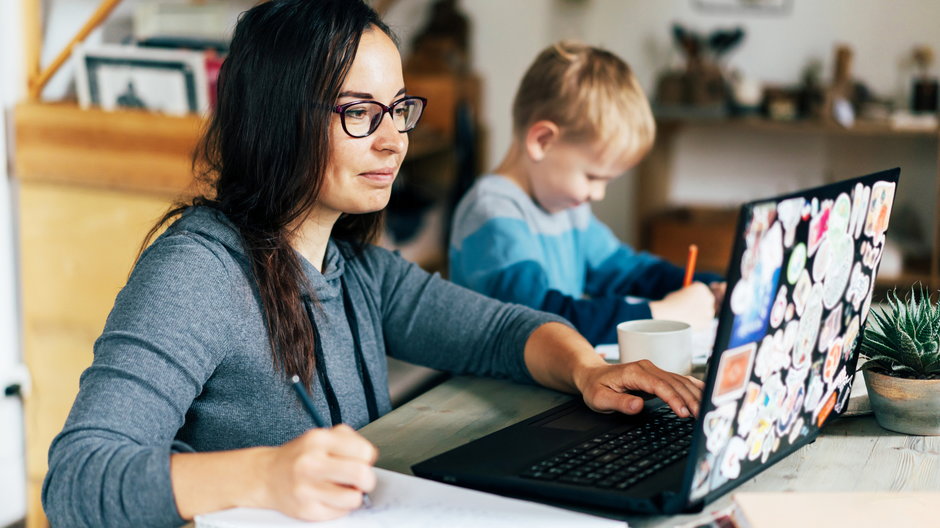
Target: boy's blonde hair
{"x":590,"y":93}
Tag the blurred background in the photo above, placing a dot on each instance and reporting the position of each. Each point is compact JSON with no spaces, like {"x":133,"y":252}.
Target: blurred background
{"x":103,"y":101}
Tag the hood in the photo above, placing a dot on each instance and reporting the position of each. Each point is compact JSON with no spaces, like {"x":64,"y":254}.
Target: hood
{"x":213,"y":225}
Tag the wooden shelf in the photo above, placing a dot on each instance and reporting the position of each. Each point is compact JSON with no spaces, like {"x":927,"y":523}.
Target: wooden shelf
{"x":860,"y":128}
{"x":127,"y":150}
{"x":654,"y":182}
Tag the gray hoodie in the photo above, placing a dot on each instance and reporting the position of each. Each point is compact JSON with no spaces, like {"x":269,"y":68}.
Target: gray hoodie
{"x":184,"y":364}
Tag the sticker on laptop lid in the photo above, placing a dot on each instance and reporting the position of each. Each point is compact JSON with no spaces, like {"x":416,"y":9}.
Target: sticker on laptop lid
{"x":734,"y":371}
{"x":879,"y":211}
{"x":841,"y":257}
{"x":859,"y":208}
{"x":789,"y":212}
{"x":818,"y":225}
{"x":858,"y":287}
{"x":840,"y":215}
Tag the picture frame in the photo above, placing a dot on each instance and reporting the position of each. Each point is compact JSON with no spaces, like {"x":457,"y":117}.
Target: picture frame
{"x":169,"y":81}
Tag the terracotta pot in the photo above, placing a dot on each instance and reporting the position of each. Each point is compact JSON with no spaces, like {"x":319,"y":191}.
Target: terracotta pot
{"x":909,"y":406}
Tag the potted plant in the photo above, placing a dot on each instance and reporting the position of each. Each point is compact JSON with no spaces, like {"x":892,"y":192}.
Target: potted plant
{"x":902,"y":344}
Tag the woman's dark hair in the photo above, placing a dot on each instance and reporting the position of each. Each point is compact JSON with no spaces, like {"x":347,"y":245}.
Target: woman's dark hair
{"x":266,"y":148}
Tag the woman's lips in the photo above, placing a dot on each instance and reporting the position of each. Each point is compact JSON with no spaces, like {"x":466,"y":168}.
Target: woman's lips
{"x":379,"y":176}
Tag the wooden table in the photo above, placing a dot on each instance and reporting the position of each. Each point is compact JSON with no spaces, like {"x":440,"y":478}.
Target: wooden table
{"x":852,"y":454}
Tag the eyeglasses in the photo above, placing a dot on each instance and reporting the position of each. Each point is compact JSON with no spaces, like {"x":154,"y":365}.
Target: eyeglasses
{"x":361,"y":118}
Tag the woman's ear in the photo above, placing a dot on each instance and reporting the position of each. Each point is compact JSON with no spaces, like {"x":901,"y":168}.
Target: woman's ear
{"x":540,"y":137}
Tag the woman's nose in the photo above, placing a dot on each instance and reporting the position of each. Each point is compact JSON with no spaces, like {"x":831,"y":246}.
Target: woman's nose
{"x":387,"y":137}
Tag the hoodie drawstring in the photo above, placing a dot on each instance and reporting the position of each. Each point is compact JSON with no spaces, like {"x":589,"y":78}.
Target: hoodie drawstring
{"x":365,"y":378}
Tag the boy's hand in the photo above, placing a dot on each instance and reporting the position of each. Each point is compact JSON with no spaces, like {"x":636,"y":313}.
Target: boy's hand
{"x":718,"y":290}
{"x":604,"y":388}
{"x":694,"y":304}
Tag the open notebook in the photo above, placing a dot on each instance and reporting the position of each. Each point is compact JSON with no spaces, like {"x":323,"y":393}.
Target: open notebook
{"x":402,"y":500}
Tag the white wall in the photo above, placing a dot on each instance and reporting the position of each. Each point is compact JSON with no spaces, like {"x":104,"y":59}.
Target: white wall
{"x":508,"y":34}
{"x":12,"y":463}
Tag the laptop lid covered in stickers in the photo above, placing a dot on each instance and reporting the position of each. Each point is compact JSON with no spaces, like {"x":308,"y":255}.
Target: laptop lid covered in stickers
{"x":800,"y":286}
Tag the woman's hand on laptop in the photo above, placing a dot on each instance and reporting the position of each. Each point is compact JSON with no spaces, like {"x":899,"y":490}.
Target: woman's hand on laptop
{"x":694,"y":304}
{"x":560,"y":358}
{"x":606,"y":388}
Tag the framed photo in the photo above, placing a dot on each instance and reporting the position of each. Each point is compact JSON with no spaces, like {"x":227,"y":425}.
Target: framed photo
{"x":169,"y":81}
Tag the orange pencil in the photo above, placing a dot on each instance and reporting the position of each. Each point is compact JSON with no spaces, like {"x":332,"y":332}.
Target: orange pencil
{"x":690,"y":265}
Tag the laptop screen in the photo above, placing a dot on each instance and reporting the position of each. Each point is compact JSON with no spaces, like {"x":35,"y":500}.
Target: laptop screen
{"x":800,"y":285}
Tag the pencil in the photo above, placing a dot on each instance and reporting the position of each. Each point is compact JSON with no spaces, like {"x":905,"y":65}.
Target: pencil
{"x":690,"y":265}
{"x":318,"y":421}
{"x":304,"y":399}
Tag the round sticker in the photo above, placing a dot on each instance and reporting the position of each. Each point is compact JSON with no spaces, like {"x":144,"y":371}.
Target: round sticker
{"x":801,"y":292}
{"x":859,"y":208}
{"x":841,"y":253}
{"x":821,"y":261}
{"x":841,"y":214}
{"x":797,"y":263}
{"x":809,"y":328}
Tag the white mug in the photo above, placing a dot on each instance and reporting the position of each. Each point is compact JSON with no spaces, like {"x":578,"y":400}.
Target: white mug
{"x":667,"y":344}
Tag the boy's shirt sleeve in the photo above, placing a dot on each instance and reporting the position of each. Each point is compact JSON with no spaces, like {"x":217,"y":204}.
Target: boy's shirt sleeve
{"x":616,"y":269}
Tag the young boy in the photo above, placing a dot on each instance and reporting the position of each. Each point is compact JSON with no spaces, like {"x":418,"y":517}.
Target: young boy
{"x":526,"y":234}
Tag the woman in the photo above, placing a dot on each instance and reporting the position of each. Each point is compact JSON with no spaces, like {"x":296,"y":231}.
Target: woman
{"x":187,"y":407}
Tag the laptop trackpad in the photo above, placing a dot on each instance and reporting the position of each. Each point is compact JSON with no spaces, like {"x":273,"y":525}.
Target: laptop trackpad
{"x":580,"y":418}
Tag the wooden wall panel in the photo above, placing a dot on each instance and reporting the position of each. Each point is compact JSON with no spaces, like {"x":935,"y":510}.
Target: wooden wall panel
{"x":77,"y":246}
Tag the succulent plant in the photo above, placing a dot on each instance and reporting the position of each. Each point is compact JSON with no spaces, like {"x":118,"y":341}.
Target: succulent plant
{"x":903,"y":338}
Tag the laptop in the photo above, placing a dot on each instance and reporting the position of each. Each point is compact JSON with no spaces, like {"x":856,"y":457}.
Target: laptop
{"x":800,"y":284}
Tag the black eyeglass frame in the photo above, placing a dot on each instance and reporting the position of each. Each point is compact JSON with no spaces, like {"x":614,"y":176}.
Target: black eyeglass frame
{"x":341,"y":110}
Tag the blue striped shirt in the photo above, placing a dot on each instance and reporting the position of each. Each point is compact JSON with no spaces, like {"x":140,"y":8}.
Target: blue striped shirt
{"x":569,"y":263}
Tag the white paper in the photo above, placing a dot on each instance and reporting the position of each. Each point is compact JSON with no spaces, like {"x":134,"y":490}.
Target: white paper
{"x":402,"y":500}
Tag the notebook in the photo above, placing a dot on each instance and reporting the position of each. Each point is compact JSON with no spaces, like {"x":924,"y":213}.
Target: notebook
{"x":800,"y":284}
{"x":402,"y":500}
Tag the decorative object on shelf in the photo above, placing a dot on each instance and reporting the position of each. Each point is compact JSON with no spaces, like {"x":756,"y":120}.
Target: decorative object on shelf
{"x":747,"y":94}
{"x":902,"y":344}
{"x":764,"y":7}
{"x":700,"y":87}
{"x":195,"y":25}
{"x":160,"y":80}
{"x":781,"y":104}
{"x":924,"y":88}
{"x":845,"y":96}
{"x":811,"y":98}
{"x":443,"y":44}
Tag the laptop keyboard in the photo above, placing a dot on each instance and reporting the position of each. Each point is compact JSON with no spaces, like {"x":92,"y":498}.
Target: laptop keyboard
{"x":620,"y":460}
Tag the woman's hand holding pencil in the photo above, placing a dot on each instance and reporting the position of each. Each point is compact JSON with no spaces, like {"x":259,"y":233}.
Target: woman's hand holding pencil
{"x":322,"y":474}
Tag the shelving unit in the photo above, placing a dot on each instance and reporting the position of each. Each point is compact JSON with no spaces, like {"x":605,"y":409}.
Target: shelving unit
{"x":654,"y":183}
